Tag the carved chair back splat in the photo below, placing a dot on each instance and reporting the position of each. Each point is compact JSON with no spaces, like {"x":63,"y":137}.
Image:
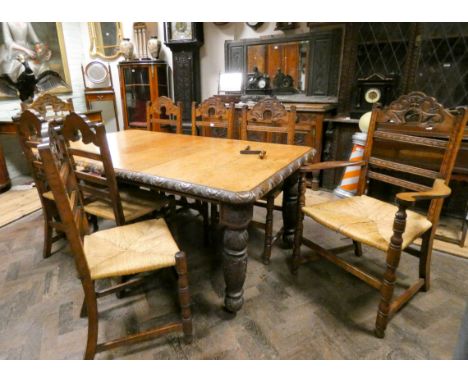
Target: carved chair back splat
{"x":162,"y":113}
{"x":269,"y":117}
{"x":47,"y":102}
{"x":213,"y":114}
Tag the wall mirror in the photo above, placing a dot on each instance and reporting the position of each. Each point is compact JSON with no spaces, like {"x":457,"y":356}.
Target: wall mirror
{"x":300,"y":65}
{"x":105,"y":38}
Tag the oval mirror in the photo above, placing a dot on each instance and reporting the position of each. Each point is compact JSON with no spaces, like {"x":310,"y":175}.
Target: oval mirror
{"x":105,"y":39}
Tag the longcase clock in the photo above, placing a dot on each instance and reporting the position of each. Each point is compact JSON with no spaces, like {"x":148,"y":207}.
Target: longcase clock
{"x":184,"y":40}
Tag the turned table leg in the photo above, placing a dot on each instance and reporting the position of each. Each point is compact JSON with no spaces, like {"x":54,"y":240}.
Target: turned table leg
{"x":235,"y":220}
{"x":290,"y":200}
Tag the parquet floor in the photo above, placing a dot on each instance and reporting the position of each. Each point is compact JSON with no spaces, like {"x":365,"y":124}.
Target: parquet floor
{"x":323,"y":313}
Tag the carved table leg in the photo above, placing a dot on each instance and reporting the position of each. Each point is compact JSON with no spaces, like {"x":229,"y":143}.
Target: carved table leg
{"x":290,"y":200}
{"x":235,"y":220}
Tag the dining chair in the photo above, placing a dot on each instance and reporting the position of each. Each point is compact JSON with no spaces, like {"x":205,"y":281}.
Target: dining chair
{"x":400,"y":155}
{"x":163,"y":114}
{"x":103,"y":196}
{"x":269,"y":121}
{"x":117,"y":252}
{"x":211,"y":116}
{"x":30,"y":128}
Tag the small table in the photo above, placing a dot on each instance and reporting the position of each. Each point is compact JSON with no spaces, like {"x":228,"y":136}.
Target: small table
{"x":213,"y":170}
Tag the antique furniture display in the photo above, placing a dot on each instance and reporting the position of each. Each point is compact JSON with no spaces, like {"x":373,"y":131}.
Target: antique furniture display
{"x":105,"y":39}
{"x":197,"y":167}
{"x":184,"y":39}
{"x":102,"y":197}
{"x":140,"y":82}
{"x":99,"y":87}
{"x":379,"y":224}
{"x":116,"y":252}
{"x":213,"y":118}
{"x":30,"y":127}
{"x":163,"y":115}
{"x":268,"y":119}
{"x":310,"y":61}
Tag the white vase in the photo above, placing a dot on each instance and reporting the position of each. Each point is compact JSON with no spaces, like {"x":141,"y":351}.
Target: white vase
{"x":126,"y":47}
{"x":154,"y":47}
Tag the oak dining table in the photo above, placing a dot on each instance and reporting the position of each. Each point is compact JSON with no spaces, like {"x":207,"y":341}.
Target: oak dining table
{"x":213,"y":170}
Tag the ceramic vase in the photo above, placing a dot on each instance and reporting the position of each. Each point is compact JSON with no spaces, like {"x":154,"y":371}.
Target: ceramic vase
{"x":154,"y":47}
{"x":126,"y":47}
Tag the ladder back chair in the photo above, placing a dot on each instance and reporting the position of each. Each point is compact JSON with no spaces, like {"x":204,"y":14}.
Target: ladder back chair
{"x":211,"y":116}
{"x":116,"y":252}
{"x":98,"y":184}
{"x":399,"y":154}
{"x":270,"y":121}
{"x":162,"y":114}
{"x":30,"y":129}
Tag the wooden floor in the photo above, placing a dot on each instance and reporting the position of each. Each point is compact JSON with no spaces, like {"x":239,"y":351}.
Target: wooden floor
{"x":323,"y":313}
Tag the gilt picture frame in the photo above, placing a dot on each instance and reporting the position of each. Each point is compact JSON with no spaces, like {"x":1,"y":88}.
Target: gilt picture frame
{"x":43,"y":46}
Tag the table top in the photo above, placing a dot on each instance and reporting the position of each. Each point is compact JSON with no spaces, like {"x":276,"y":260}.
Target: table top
{"x":204,"y":167}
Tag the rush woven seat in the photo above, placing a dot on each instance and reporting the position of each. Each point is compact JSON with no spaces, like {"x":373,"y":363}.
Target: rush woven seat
{"x":130,"y":249}
{"x":367,"y":220}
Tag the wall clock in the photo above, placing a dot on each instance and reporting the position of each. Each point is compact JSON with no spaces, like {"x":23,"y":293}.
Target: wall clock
{"x":372,"y":89}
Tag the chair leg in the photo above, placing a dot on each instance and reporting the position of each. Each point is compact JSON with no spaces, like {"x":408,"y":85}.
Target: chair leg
{"x":425,"y":259}
{"x":357,"y":248}
{"x":214,"y":215}
{"x":48,"y":232}
{"x":388,"y":285}
{"x":206,"y":223}
{"x":184,"y":296}
{"x":91,"y":307}
{"x":270,"y":205}
{"x":94,"y":222}
{"x":296,"y":255}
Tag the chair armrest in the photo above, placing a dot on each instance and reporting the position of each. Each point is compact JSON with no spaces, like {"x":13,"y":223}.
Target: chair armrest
{"x":330,"y":164}
{"x":438,"y":191}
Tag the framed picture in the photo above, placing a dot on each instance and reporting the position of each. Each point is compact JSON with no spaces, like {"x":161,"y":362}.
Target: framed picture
{"x":41,"y":44}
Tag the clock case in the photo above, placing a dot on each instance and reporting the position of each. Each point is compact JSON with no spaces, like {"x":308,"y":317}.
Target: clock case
{"x":386,"y":86}
{"x":197,"y":34}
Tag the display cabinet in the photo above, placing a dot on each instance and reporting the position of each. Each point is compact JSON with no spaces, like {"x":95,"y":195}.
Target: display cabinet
{"x":140,"y":81}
